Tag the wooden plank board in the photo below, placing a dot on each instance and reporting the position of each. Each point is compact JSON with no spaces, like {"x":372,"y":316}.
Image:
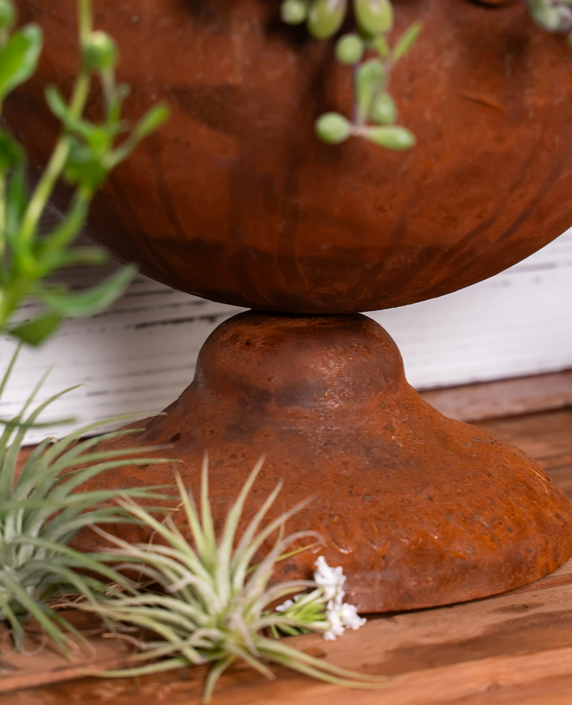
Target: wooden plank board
{"x":432,"y":656}
{"x":507,"y":397}
{"x":543,"y":436}
{"x":513,"y":648}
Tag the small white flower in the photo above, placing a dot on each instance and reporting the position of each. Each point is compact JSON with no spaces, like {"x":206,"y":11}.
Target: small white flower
{"x":341,"y":615}
{"x":350,"y":617}
{"x":285,"y":605}
{"x":336,"y":627}
{"x":330,"y":579}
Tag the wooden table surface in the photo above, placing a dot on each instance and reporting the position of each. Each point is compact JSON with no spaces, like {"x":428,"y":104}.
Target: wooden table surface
{"x":509,"y":649}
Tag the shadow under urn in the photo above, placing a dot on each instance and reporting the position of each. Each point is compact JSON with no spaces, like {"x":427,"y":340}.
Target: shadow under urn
{"x":419,"y":509}
{"x":236,"y":200}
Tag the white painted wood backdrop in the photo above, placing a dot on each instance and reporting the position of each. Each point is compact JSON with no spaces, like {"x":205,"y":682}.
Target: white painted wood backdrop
{"x":139,"y":355}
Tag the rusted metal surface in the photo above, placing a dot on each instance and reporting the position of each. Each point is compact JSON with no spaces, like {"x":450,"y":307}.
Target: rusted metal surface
{"x":237,"y":201}
{"x":420,"y":510}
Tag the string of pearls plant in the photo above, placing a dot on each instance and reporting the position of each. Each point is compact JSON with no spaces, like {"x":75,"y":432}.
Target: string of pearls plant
{"x":552,"y":15}
{"x":368,"y":50}
{"x":374,"y":111}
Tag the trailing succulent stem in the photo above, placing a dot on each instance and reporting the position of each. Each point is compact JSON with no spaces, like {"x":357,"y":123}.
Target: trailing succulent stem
{"x":83,"y":156}
{"x":368,"y":51}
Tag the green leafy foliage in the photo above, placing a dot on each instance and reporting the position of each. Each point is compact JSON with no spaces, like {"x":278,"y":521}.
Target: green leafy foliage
{"x":19,"y":58}
{"x":211,"y":602}
{"x":42,"y":508}
{"x":84,"y":155}
{"x":34,"y":332}
{"x":89,"y":302}
{"x":7,"y":14}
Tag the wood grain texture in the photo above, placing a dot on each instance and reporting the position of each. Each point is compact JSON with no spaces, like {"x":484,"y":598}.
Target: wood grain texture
{"x":509,"y":649}
{"x":491,"y":400}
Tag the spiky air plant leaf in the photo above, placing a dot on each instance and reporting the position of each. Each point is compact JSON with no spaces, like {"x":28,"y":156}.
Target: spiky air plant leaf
{"x":211,"y":602}
{"x":42,"y":508}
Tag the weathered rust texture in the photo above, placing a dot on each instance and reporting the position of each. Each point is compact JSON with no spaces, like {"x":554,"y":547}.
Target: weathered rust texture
{"x":419,"y":510}
{"x":236,"y":199}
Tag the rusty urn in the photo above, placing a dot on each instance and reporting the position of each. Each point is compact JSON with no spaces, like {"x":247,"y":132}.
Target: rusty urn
{"x":236,"y":200}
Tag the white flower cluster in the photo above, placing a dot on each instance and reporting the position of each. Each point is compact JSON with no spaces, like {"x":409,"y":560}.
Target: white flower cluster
{"x":340,"y":614}
{"x":285,"y":605}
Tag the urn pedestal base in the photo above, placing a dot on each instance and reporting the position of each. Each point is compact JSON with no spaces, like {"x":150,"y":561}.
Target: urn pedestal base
{"x":419,"y":510}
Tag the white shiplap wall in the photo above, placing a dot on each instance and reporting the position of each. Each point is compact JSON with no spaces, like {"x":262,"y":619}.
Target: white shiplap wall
{"x":139,"y":355}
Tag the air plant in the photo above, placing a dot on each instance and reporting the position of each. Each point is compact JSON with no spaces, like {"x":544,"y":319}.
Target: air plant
{"x":210,"y":603}
{"x":41,"y":511}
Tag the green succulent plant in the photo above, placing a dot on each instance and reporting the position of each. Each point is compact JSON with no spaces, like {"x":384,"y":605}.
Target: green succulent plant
{"x":552,"y":15}
{"x":368,"y":50}
{"x":42,"y":508}
{"x":83,"y":156}
{"x":211,"y":603}
{"x":374,"y":112}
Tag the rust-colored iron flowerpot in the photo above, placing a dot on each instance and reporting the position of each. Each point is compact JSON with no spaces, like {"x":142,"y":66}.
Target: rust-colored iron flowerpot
{"x":419,"y":509}
{"x":236,"y":200}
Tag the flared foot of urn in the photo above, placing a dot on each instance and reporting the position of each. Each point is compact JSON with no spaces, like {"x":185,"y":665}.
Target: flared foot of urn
{"x":419,"y":510}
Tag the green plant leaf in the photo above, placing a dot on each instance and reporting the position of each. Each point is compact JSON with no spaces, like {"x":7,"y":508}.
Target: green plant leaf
{"x":58,"y":105}
{"x":10,"y":151}
{"x":98,"y":137}
{"x":92,"y":301}
{"x":36,"y":331}
{"x":333,"y":128}
{"x":383,"y":110}
{"x":80,"y":255}
{"x":151,"y":121}
{"x":391,"y":137}
{"x":19,"y":58}
{"x":380,"y":44}
{"x":326,"y":17}
{"x":16,"y":203}
{"x":85,"y":166}
{"x":294,"y":11}
{"x":349,"y":49}
{"x":369,"y":78}
{"x":7,"y":14}
{"x":406,"y":41}
{"x":374,"y":16}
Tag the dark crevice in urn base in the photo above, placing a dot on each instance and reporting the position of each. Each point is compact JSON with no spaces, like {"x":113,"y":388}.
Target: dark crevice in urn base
{"x":419,"y":510}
